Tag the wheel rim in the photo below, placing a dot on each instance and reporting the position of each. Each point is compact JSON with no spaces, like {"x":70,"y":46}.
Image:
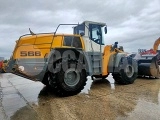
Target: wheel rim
{"x":71,"y":78}
{"x":129,"y":71}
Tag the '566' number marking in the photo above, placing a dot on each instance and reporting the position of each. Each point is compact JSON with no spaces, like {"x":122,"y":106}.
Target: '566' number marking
{"x":30,"y":53}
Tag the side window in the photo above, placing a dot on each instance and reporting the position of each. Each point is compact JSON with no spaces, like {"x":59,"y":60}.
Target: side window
{"x":67,"y":41}
{"x":72,"y":41}
{"x":77,"y":42}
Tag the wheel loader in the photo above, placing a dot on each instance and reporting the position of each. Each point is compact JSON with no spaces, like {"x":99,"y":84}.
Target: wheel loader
{"x":63,"y":61}
{"x":149,"y":61}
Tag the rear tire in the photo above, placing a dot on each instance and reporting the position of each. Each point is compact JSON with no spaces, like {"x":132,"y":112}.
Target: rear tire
{"x":69,"y":82}
{"x":128,"y":71}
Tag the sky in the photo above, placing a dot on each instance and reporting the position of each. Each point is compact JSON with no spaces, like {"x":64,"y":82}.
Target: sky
{"x":133,"y":23}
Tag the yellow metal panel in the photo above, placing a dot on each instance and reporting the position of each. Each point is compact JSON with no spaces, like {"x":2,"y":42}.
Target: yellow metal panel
{"x":42,"y":46}
{"x":44,"y":39}
{"x":29,"y":49}
{"x":29,"y":46}
{"x":26,"y":40}
{"x":57,"y":41}
{"x":105,"y":61}
{"x":82,"y":41}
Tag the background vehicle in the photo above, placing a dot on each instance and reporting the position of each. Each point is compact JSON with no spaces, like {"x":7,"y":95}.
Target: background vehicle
{"x":2,"y":64}
{"x":63,"y":61}
{"x":149,"y":61}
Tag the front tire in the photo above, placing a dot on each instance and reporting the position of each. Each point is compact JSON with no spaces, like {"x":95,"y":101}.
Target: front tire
{"x":128,"y":71}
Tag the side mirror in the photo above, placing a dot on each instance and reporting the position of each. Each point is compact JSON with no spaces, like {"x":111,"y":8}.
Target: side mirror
{"x":105,"y":29}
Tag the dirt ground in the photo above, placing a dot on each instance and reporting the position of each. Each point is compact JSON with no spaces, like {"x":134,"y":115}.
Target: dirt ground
{"x":22,"y":99}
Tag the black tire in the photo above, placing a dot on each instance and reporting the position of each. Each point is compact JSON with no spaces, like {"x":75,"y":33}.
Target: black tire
{"x":125,"y":77}
{"x":72,"y":84}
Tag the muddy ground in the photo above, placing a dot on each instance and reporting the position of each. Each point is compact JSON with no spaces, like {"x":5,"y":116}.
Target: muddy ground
{"x":22,"y":99}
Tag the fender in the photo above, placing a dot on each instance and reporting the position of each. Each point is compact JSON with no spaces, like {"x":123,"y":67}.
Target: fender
{"x":114,"y":61}
{"x":111,"y":59}
{"x":64,"y":54}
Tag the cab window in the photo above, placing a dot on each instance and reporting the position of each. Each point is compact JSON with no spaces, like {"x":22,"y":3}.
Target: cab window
{"x":79,"y":29}
{"x":96,"y":33}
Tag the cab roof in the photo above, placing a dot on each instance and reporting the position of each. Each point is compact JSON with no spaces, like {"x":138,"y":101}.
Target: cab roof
{"x":99,"y":23}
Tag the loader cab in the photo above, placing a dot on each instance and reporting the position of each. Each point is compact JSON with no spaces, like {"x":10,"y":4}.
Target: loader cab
{"x":92,"y":33}
{"x":93,"y":36}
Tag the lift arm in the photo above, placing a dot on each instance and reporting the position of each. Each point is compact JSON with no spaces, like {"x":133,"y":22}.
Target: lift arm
{"x":156,"y":44}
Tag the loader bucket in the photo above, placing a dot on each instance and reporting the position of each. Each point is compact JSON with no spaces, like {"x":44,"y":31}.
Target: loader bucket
{"x":149,"y":67}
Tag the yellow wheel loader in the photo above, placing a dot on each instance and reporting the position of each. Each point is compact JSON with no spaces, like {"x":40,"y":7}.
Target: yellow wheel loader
{"x":63,"y":61}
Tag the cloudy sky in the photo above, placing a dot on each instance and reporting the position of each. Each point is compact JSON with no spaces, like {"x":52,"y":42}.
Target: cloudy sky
{"x":133,"y":23}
